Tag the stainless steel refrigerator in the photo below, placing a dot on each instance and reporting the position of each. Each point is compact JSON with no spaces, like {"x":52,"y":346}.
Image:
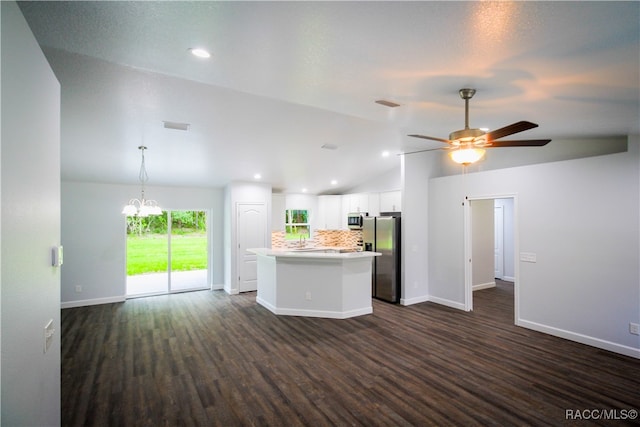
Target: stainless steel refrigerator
{"x":382,"y":234}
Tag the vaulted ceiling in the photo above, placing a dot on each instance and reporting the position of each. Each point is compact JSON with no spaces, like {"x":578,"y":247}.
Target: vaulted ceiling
{"x":286,"y":78}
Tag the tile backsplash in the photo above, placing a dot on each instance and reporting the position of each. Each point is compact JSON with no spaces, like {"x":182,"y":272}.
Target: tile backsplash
{"x":341,"y":238}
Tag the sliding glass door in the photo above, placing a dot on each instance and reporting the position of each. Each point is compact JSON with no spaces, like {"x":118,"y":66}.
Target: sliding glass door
{"x":188,"y":250}
{"x":167,"y":253}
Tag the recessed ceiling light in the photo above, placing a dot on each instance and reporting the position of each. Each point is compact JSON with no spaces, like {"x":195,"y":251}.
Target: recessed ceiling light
{"x":304,"y":190}
{"x":334,"y":182}
{"x":200,"y":53}
{"x":257,"y":176}
{"x":385,"y":153}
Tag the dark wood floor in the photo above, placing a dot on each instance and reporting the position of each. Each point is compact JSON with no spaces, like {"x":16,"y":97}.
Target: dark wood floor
{"x":207,"y":358}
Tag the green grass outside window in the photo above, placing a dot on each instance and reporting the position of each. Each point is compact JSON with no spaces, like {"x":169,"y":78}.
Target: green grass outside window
{"x":148,"y":253}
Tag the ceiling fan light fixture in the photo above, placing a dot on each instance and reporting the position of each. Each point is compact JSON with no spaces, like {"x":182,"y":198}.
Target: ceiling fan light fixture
{"x":467,"y":156}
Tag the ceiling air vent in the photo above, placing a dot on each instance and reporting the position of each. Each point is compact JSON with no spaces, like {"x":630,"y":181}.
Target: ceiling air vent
{"x":329,"y":147}
{"x":387,"y":103}
{"x":176,"y":125}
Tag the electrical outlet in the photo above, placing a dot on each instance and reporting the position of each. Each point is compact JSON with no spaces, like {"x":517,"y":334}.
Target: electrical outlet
{"x":308,"y":296}
{"x":634,"y":328}
{"x":78,"y":288}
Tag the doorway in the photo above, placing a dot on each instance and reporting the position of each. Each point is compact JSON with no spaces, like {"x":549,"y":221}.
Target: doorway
{"x":490,"y":245}
{"x":252,"y":233}
{"x":167,"y":253}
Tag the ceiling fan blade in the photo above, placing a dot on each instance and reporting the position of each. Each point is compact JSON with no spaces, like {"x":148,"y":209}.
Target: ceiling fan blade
{"x":422,"y":151}
{"x":508,"y":130}
{"x":522,"y":143}
{"x":432,"y":138}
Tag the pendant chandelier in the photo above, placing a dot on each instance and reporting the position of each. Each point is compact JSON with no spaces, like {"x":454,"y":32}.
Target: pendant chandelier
{"x":142,"y":207}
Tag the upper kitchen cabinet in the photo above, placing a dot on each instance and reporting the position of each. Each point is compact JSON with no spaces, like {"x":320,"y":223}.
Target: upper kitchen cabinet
{"x":391,"y":201}
{"x":374,"y":204}
{"x":278,"y":204}
{"x":358,"y":202}
{"x":329,"y":216}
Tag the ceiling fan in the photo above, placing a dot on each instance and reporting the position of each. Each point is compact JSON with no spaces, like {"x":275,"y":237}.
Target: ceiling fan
{"x":468,"y":144}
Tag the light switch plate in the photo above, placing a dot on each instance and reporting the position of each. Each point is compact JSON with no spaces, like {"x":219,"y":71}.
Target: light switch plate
{"x":528,"y":257}
{"x":56,"y":256}
{"x":48,"y":335}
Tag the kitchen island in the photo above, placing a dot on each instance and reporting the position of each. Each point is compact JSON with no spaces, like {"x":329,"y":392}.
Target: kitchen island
{"x":314,"y":282}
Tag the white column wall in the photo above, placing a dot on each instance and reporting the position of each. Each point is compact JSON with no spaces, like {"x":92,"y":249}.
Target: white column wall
{"x":416,"y":170}
{"x":30,"y":224}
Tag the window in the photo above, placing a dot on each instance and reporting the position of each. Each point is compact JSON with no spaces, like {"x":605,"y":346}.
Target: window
{"x":296,"y":224}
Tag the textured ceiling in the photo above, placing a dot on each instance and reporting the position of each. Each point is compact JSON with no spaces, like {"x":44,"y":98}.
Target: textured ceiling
{"x":287,"y":77}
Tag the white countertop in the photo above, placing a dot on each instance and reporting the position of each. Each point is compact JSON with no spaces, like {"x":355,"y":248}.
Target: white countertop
{"x":313,"y":252}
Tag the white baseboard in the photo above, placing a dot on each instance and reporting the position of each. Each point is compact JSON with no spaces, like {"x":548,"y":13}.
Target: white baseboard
{"x":230,"y":291}
{"x":481,"y":286}
{"x":95,"y":301}
{"x":266,"y":305}
{"x":582,"y":339}
{"x":314,"y":313}
{"x":508,"y":279}
{"x":414,"y":300}
{"x":448,"y":303}
{"x":110,"y":300}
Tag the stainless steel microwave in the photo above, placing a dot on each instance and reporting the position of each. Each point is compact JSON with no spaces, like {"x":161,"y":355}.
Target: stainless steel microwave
{"x":355,"y":219}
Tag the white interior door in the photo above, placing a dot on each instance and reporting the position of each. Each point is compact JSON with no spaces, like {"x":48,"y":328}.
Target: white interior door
{"x":498,"y":218}
{"x":251,"y":233}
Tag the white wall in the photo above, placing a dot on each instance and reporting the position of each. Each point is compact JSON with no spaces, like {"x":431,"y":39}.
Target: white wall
{"x":388,"y":181}
{"x":94,"y":236}
{"x":30,"y":224}
{"x":580,"y":218}
{"x":508,"y":238}
{"x":301,"y":201}
{"x":241,"y":192}
{"x":556,"y":150}
{"x":482,"y":243}
{"x":416,"y":171}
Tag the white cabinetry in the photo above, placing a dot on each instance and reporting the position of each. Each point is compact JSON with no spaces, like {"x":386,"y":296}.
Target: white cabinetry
{"x":329,"y":216}
{"x":333,"y":210}
{"x":358,"y":202}
{"x":391,"y":201}
{"x":374,"y":204}
{"x":278,"y":206}
{"x":346,"y":209}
